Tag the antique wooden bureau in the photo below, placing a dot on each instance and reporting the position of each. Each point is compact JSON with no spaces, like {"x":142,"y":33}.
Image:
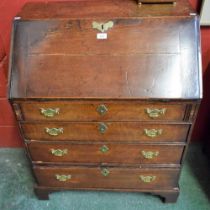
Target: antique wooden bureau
{"x":106,"y":93}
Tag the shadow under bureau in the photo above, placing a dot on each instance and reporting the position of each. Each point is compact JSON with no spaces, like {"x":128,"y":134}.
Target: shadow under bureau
{"x":106,"y":93}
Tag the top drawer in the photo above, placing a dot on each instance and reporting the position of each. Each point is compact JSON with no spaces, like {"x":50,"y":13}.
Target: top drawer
{"x":101,"y":111}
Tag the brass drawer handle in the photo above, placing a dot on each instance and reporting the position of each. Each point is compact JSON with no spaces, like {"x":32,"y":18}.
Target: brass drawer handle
{"x":104,"y":149}
{"x":102,"y":109}
{"x":105,"y":172}
{"x":59,"y":152}
{"x":149,"y":154}
{"x":49,"y":112}
{"x":102,"y":27}
{"x":102,"y":127}
{"x":155,"y":113}
{"x":63,"y":177}
{"x":54,"y":131}
{"x":153,"y":132}
{"x":147,"y":179}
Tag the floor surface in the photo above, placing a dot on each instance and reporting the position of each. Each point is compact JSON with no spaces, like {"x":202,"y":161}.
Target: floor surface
{"x":16,"y":189}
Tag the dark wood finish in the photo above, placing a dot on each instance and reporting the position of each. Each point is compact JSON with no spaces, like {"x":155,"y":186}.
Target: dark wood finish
{"x":157,"y":1}
{"x":117,"y":153}
{"x":150,"y":59}
{"x":91,"y":177}
{"x":17,"y":110}
{"x":42,"y":192}
{"x":116,"y":131}
{"x":170,"y":197}
{"x":86,"y":44}
{"x":111,"y":68}
{"x":101,"y":9}
{"x":87,"y":111}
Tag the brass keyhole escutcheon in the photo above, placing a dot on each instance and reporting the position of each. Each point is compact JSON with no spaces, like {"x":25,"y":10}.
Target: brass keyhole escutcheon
{"x":104,"y":149}
{"x":105,"y":172}
{"x":102,"y":109}
{"x":102,"y":27}
{"x":102,"y":127}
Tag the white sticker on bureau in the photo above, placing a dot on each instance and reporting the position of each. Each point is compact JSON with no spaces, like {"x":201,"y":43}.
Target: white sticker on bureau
{"x":101,"y":35}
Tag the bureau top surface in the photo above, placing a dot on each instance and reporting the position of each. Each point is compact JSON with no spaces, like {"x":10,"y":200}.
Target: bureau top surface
{"x":56,"y":52}
{"x":101,"y":8}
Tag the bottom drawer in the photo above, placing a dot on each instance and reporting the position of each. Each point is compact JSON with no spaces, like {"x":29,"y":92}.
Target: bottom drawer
{"x":107,"y":178}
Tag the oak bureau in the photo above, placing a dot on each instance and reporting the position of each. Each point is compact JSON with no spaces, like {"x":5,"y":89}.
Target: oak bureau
{"x":106,"y":93}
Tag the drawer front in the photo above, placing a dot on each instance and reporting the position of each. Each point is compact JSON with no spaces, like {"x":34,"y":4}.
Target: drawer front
{"x":122,"y":178}
{"x":111,"y":131}
{"x":105,"y":153}
{"x":101,"y":111}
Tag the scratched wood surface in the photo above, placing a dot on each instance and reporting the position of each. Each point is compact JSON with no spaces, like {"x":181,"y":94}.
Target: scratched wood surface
{"x":62,"y":58}
{"x":91,"y":177}
{"x":92,"y":154}
{"x":103,"y":8}
{"x":151,"y":54}
{"x":115,"y":131}
{"x":115,"y":111}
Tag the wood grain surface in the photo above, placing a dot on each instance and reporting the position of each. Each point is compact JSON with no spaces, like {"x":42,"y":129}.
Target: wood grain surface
{"x":84,"y":177}
{"x":115,"y":154}
{"x":149,"y":58}
{"x":131,"y":63}
{"x":88,"y":111}
{"x":116,"y":131}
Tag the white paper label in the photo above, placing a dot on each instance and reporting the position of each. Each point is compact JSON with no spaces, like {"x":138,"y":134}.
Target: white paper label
{"x":101,"y":35}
